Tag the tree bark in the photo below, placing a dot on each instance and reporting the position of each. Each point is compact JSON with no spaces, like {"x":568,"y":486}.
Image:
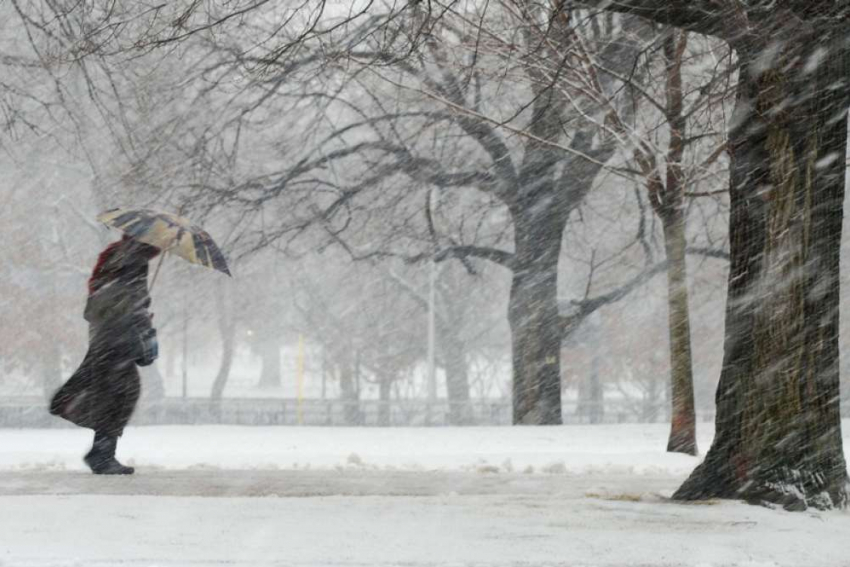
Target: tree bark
{"x":683,"y":418}
{"x":778,"y":430}
{"x":534,"y":318}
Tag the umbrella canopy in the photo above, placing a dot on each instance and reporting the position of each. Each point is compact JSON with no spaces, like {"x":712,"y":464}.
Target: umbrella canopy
{"x":168,"y":232}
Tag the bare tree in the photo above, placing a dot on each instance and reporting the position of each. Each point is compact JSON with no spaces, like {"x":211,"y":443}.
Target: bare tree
{"x":778,"y":420}
{"x":670,"y":180}
{"x":363,"y":324}
{"x":538,"y":179}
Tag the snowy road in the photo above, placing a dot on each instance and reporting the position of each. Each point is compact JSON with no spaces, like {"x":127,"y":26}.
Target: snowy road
{"x":381,"y":518}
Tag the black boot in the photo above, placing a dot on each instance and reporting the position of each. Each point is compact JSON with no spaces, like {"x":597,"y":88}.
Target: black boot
{"x":101,"y":458}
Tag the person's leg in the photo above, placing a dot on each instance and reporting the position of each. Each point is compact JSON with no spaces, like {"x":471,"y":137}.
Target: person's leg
{"x":117,"y":392}
{"x":101,"y":459}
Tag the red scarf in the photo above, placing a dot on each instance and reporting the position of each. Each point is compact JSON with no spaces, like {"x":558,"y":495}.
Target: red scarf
{"x":106,"y":271}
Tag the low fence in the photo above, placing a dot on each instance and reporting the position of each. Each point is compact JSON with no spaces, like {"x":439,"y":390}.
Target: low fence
{"x":32,"y":412}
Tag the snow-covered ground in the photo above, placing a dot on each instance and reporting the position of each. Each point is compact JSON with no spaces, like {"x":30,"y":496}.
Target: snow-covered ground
{"x":589,"y":449}
{"x":214,"y":495}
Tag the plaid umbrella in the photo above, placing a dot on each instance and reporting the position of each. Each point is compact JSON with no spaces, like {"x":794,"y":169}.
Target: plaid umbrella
{"x":169,"y":233}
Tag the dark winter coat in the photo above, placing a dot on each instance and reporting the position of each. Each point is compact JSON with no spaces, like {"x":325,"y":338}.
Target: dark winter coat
{"x":103,"y":392}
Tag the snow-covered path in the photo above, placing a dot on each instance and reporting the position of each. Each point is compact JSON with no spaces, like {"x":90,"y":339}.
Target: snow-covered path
{"x":388,"y":498}
{"x":353,"y":518}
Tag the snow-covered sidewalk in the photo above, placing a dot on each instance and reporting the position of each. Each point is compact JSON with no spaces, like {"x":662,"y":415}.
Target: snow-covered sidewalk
{"x":221,"y":496}
{"x":631,"y":448}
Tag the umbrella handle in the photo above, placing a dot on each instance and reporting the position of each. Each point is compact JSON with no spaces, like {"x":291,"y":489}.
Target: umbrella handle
{"x":156,"y":272}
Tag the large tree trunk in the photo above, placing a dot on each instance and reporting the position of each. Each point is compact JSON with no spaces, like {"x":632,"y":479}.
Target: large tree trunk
{"x":534,"y":318}
{"x":683,"y":419}
{"x":457,"y":380}
{"x":778,"y":429}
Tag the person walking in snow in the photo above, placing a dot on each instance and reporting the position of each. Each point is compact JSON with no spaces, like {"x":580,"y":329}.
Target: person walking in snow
{"x":102,"y":393}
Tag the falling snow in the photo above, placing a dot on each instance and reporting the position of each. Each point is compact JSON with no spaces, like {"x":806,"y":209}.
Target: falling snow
{"x":424,"y":283}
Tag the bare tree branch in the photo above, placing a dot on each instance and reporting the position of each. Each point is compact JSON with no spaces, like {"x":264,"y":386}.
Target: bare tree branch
{"x":500,"y":257}
{"x":702,"y":16}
